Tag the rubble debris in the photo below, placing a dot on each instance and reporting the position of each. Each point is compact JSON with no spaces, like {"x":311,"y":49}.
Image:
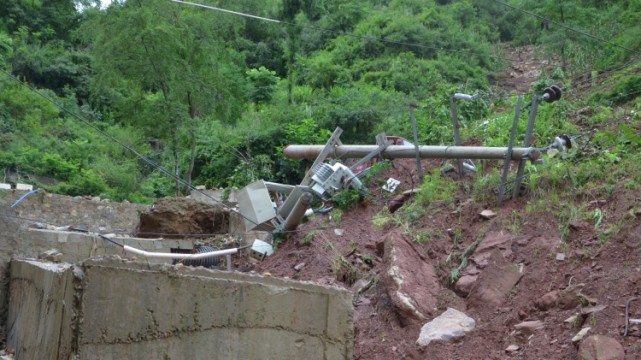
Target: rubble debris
{"x":450,"y":324}
{"x":261,"y":249}
{"x":570,"y":297}
{"x":487,"y":214}
{"x":299,"y":266}
{"x":581,"y":334}
{"x":572,"y":319}
{"x":601,"y":347}
{"x":512,"y":349}
{"x":409,"y":280}
{"x":547,"y":301}
{"x":391,"y":184}
{"x":529,"y":327}
{"x":565,"y":299}
{"x":52,"y":255}
{"x":592,"y":309}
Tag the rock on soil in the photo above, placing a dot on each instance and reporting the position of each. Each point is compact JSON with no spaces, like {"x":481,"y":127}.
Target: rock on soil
{"x":450,"y":324}
{"x":529,"y":327}
{"x":465,"y":284}
{"x":495,"y":283}
{"x":492,"y":241}
{"x":174,"y":217}
{"x":410,"y":281}
{"x":601,"y":347}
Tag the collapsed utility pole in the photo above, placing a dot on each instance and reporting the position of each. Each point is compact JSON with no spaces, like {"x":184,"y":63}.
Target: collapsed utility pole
{"x":301,"y":152}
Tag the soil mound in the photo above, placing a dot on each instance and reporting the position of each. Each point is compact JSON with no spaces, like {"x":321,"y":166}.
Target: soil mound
{"x":183,"y":218}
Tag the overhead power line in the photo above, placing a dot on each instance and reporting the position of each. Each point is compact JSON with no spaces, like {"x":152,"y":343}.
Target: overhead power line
{"x":634,"y":52}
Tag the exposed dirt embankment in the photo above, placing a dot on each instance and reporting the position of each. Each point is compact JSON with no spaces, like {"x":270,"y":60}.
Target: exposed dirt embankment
{"x":183,"y":218}
{"x":530,"y":285}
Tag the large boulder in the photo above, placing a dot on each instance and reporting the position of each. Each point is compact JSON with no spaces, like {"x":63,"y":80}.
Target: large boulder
{"x":410,"y":280}
{"x":449,"y":325}
{"x":183,"y":217}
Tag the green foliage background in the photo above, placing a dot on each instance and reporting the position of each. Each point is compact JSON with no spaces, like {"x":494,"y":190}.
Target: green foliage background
{"x":213,"y":97}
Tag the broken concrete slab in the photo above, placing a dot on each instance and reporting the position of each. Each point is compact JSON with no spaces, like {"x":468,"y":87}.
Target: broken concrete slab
{"x":450,"y":324}
{"x":495,"y":282}
{"x":409,"y":280}
{"x":601,"y":347}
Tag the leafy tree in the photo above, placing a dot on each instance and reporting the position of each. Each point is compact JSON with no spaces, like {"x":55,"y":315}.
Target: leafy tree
{"x":178,"y":60}
{"x":263,"y":83}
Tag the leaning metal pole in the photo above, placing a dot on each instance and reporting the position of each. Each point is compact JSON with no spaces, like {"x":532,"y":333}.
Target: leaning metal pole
{"x":409,"y":151}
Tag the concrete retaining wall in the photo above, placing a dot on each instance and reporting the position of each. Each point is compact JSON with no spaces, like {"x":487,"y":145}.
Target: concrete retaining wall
{"x":181,"y":312}
{"x":16,"y":241}
{"x":40,"y":316}
{"x":81,"y":212}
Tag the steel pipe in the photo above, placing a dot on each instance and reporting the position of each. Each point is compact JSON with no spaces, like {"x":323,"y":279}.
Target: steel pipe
{"x":409,"y":151}
{"x":159,"y":255}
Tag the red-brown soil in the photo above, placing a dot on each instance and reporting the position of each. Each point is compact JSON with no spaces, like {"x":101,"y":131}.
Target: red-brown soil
{"x":611,"y":273}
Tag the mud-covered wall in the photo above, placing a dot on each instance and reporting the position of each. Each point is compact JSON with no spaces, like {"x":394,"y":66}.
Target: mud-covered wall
{"x":53,"y":210}
{"x":87,"y":213}
{"x":181,"y":312}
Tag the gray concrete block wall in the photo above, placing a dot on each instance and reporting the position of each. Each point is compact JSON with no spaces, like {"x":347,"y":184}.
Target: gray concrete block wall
{"x":16,"y":241}
{"x":173,"y":311}
{"x":81,"y":212}
{"x":41,"y":310}
{"x":131,"y":310}
{"x":78,"y":246}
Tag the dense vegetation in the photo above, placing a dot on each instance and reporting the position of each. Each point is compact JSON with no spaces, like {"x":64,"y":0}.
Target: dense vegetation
{"x":110,"y":101}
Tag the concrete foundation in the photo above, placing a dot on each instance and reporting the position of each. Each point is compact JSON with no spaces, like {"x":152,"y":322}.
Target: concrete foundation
{"x":117,"y":309}
{"x":16,"y":241}
{"x":40,"y":317}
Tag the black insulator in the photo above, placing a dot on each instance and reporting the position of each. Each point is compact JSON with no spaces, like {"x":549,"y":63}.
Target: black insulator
{"x":209,"y":262}
{"x":553,"y":93}
{"x":558,"y":92}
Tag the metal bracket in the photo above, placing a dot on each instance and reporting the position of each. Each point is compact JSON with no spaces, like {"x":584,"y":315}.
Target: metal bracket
{"x":510,"y":146}
{"x":382,"y":143}
{"x":333,"y":141}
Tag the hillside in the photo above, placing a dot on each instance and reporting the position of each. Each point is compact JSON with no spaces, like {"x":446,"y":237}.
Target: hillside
{"x":146,"y":99}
